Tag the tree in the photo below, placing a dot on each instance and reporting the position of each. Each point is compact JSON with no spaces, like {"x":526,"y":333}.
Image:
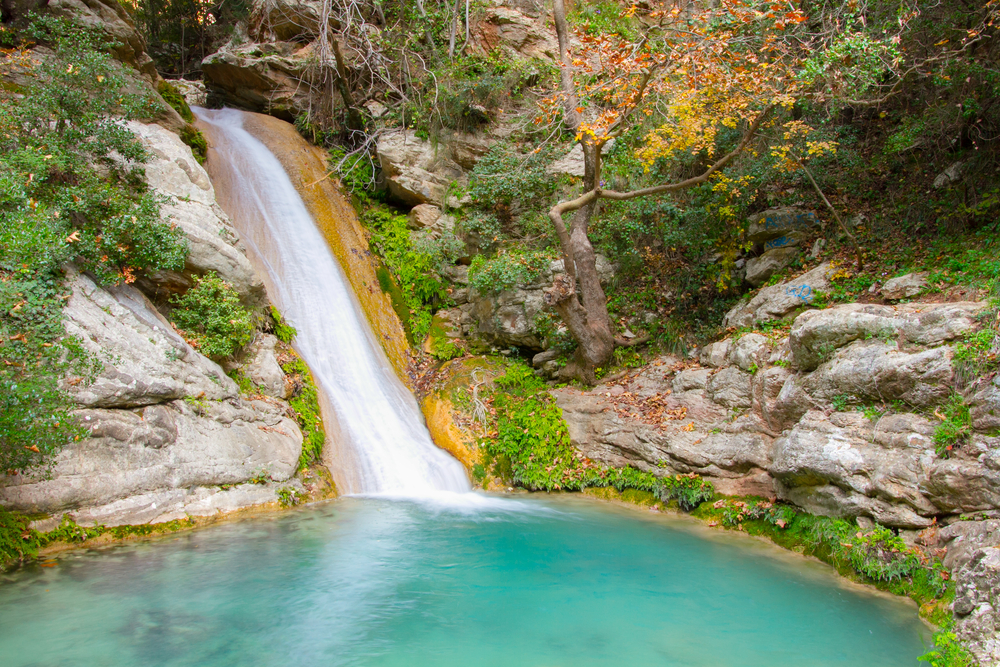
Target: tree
{"x":702,"y":72}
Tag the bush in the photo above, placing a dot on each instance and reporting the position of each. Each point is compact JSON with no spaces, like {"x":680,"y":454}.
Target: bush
{"x":503,"y":176}
{"x":212,"y":318}
{"x":173,"y":97}
{"x":284,"y":332}
{"x":881,"y":555}
{"x":71,"y":191}
{"x":507,"y":270}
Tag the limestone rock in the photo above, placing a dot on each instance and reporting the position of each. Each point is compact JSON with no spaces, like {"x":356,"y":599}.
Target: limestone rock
{"x":952,"y":174}
{"x":977,"y":606}
{"x":881,"y":372}
{"x":517,"y":27}
{"x":904,"y":287}
{"x":264,"y":369}
{"x":163,"y":447}
{"x":419,"y":172}
{"x":690,"y":379}
{"x":778,"y":222}
{"x":195,"y":93}
{"x":266,"y":77}
{"x":986,"y":406}
{"x":716,"y":354}
{"x":776,"y":301}
{"x":846,"y":466}
{"x":746,"y":352}
{"x":424,"y":216}
{"x":964,"y":538}
{"x":816,"y":334}
{"x":143,"y":360}
{"x":213,"y":243}
{"x":571,"y":164}
{"x":729,"y":387}
{"x":760,"y":269}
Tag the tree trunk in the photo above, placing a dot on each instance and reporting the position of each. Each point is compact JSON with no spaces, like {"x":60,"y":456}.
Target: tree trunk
{"x":580,"y":299}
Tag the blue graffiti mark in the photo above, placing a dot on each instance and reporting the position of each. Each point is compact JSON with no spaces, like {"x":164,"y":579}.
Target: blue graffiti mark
{"x":803,"y":292}
{"x":801,"y":220}
{"x":779,"y":242}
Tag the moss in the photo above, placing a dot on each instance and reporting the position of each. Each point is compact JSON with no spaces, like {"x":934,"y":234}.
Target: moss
{"x":173,"y":97}
{"x":402,"y":310}
{"x":196,"y":140}
{"x":307,"y":413}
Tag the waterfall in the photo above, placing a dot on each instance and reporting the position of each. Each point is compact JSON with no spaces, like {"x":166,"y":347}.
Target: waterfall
{"x":383,"y":445}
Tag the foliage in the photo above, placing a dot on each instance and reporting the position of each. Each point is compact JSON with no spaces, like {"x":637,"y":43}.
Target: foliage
{"x":531,"y":448}
{"x":503,"y":177}
{"x":948,"y":652}
{"x":415,"y":267}
{"x":507,"y":270}
{"x":196,"y":141}
{"x":307,"y":412}
{"x":955,"y":426}
{"x":356,"y":170}
{"x":66,"y":196}
{"x":882,"y":555}
{"x":288,"y":497}
{"x":282,"y":330}
{"x":212,"y":318}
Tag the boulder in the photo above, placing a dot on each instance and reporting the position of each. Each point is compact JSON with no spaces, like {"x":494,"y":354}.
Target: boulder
{"x":174,"y":446}
{"x":424,"y":216}
{"x":509,"y":317}
{"x":716,"y":354}
{"x":760,"y":269}
{"x":905,"y":287}
{"x":747,"y":350}
{"x":729,"y":387}
{"x":952,"y":174}
{"x":269,"y":77}
{"x":816,"y":334}
{"x":977,"y":606}
{"x":985,"y":404}
{"x":776,"y":223}
{"x":881,"y":372}
{"x":213,"y":242}
{"x":779,"y":300}
{"x":195,"y":93}
{"x":418,"y":171}
{"x":142,"y":359}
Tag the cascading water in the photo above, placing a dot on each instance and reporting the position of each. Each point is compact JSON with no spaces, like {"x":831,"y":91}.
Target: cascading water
{"x":378,"y":423}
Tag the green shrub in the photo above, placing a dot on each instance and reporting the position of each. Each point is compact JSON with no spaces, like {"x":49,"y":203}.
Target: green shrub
{"x":955,"y":426}
{"x":948,"y":652}
{"x":72,"y":191}
{"x":284,"y":332}
{"x":307,"y":414}
{"x":504,"y":176}
{"x":414,"y":267}
{"x":196,"y":140}
{"x":211,"y":315}
{"x":881,"y":555}
{"x":507,"y":270}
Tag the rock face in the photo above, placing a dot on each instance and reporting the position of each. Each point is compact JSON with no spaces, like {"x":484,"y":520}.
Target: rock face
{"x":419,"y":172}
{"x":776,"y":417}
{"x":510,"y":317}
{"x":977,"y":606}
{"x":518,"y":27}
{"x":166,"y":425}
{"x":213,"y":243}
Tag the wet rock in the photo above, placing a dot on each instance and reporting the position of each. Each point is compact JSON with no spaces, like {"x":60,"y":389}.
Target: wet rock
{"x":779,"y":300}
{"x":977,"y":606}
{"x":776,"y":223}
{"x":760,"y":269}
{"x":143,"y":361}
{"x":181,"y":445}
{"x":905,"y":287}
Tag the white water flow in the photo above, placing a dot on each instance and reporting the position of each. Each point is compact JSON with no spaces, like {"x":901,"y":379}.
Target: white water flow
{"x":378,"y":423}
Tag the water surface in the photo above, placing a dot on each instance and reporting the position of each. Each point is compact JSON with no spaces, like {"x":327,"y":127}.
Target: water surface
{"x":489,"y":582}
